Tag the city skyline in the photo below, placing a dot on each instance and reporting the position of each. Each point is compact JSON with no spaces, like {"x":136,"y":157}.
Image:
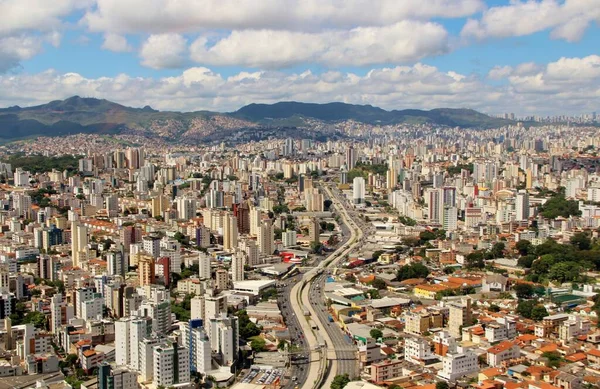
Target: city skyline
{"x":527,"y":58}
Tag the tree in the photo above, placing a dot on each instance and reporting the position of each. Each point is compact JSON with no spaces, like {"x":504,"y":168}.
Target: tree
{"x":475,"y":260}
{"x":564,"y":271}
{"x":258,"y":344}
{"x":539,"y":312}
{"x":497,"y":250}
{"x":376,"y":334}
{"x":581,"y":240}
{"x":554,"y":358}
{"x":525,"y":307}
{"x":71,"y":359}
{"x":524,"y":247}
{"x":377,"y":254}
{"x":523,"y":291}
{"x":378,"y":283}
{"x":38,"y":319}
{"x":281,"y":345}
{"x":340,"y":381}
{"x":441,"y":385}
{"x":414,"y":270}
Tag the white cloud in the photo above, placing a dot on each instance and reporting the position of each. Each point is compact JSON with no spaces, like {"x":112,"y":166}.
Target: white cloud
{"x":164,"y":51}
{"x":566,"y":19}
{"x":116,"y":43}
{"x":180,"y":16}
{"x":402,"y":42}
{"x":17,"y":16}
{"x":15,"y":49}
{"x":499,"y":72}
{"x":569,"y":85}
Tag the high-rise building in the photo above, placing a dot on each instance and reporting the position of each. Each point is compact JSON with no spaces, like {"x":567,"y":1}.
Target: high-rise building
{"x":522,"y":206}
{"x":265,"y":238}
{"x":221,"y":279}
{"x":314,"y":230}
{"x":116,"y":377}
{"x":79,"y":241}
{"x":195,"y":339}
{"x":171,"y":364}
{"x":204,"y":266}
{"x":237,"y":265}
{"x":151,"y":245}
{"x":146,"y":269}
{"x":460,"y":315}
{"x":358,"y":190}
{"x":391,"y":178}
{"x":350,"y":158}
{"x":116,"y":263}
{"x":230,"y":232}
{"x":288,"y":238}
{"x":224,"y":338}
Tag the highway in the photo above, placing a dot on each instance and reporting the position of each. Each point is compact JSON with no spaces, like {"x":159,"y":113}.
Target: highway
{"x":323,"y":364}
{"x":300,"y":352}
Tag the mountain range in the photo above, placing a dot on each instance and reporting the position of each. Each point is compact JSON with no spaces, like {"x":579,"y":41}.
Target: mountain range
{"x":98,"y":116}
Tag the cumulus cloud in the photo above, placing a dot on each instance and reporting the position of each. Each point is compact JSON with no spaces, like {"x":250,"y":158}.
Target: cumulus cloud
{"x":405,"y":41}
{"x":180,"y":16}
{"x":566,"y":19}
{"x":163,"y":51}
{"x":14,"y":49}
{"x":116,"y":43}
{"x":569,"y":85}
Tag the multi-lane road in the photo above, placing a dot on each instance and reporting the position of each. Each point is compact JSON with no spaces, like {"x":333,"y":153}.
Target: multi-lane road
{"x":331,"y":351}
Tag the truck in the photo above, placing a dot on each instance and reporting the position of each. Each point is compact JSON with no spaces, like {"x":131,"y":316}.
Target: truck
{"x":306,"y":312}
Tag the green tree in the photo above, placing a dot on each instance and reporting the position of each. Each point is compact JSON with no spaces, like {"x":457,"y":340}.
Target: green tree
{"x":441,"y":385}
{"x":414,"y":270}
{"x":378,"y":283}
{"x":564,"y":271}
{"x":525,"y":307}
{"x":523,"y":290}
{"x":524,"y":247}
{"x":497,"y":250}
{"x":258,"y":344}
{"x":340,"y":381}
{"x":538,"y":312}
{"x":475,"y":260}
{"x":376,"y":333}
{"x":581,"y":240}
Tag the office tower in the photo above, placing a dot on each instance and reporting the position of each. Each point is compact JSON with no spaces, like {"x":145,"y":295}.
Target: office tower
{"x":116,"y":263}
{"x":350,"y":158}
{"x":146,"y":270}
{"x":237,"y":266}
{"x":358,"y":190}
{"x":288,"y":238}
{"x":79,"y":241}
{"x":288,"y":147}
{"x":265,"y":238}
{"x":230,"y":232}
{"x":460,"y":316}
{"x":391,"y":178}
{"x":151,"y":245}
{"x":204,"y":266}
{"x":522,"y":206}
{"x":195,"y":339}
{"x":314,"y":230}
{"x":224,"y":338}
{"x":171,"y":364}
{"x":22,"y":204}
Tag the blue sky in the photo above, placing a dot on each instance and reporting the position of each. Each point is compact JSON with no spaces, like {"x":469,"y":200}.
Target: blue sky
{"x":528,"y":57}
